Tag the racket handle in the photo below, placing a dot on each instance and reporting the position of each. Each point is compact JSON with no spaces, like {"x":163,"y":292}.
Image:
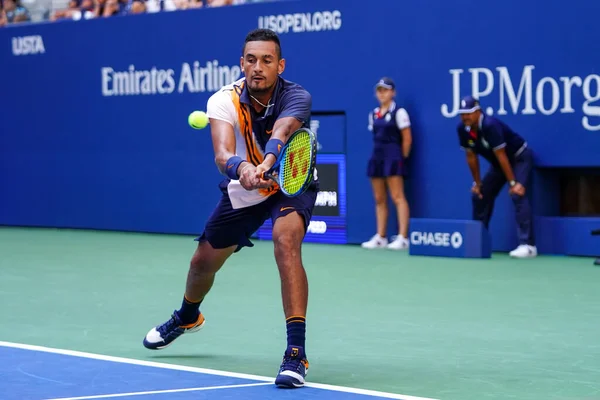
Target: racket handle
{"x":266,"y":176}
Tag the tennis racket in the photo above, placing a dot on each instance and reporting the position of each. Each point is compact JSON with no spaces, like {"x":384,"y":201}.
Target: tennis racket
{"x":294,"y":168}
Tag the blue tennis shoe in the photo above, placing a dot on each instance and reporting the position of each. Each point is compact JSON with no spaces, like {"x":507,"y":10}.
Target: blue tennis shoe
{"x":163,"y":335}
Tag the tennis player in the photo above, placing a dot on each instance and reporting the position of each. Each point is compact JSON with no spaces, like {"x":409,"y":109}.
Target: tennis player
{"x":392,"y":141}
{"x":250,"y":121}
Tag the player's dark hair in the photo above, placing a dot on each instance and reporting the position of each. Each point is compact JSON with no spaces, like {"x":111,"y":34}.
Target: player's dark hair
{"x":263,"y":35}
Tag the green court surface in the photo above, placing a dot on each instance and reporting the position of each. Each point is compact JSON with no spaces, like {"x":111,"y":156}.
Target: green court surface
{"x":442,"y":328}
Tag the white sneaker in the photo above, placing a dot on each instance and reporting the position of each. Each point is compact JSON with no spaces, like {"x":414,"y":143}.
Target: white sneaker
{"x":376,"y":242}
{"x":399,"y":243}
{"x":524,"y":251}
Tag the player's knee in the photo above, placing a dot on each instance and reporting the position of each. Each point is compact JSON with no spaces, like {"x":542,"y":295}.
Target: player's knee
{"x":380,"y":199}
{"x":206,"y":259}
{"x":398,"y":198}
{"x":197,"y":261}
{"x":287,"y":242}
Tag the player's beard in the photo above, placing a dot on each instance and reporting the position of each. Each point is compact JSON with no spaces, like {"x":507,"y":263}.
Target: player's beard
{"x":259,"y":91}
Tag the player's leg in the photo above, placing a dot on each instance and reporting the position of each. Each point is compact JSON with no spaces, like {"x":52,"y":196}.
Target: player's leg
{"x":288,"y":233}
{"x":522,"y":170}
{"x":204,"y":265}
{"x":226,"y":231}
{"x":379,"y":240}
{"x":395,"y":184}
{"x":291,"y":217}
{"x":381,"y":206}
{"x":491,"y":185}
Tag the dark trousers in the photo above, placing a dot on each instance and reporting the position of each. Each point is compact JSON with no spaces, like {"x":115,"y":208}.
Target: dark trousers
{"x":492,"y":183}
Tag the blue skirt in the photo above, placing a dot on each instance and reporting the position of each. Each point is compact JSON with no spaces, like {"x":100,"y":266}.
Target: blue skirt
{"x":378,"y":168}
{"x":386,"y":160}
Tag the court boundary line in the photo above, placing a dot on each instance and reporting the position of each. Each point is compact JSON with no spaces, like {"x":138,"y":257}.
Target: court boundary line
{"x":196,"y":389}
{"x":133,"y":361}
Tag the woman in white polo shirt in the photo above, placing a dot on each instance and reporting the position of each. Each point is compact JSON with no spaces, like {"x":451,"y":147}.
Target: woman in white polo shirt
{"x":392,"y":140}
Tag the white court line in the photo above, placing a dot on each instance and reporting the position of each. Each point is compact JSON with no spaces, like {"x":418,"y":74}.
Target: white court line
{"x":106,"y":396}
{"x":204,"y":370}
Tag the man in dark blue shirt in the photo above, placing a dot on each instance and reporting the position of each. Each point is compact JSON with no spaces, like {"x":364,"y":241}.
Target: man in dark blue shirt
{"x":510,"y":160}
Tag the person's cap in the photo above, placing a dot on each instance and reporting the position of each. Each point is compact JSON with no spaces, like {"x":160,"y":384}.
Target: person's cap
{"x":386,"y":83}
{"x":468,"y":104}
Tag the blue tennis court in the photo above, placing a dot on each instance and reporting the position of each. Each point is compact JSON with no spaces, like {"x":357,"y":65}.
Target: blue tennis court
{"x":36,"y":373}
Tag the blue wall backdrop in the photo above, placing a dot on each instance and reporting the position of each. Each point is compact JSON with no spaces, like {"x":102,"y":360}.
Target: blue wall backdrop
{"x":94,"y":113}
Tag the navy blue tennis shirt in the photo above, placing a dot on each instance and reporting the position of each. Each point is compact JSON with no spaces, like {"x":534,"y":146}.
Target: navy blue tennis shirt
{"x":288,"y":100}
{"x":491,"y":134}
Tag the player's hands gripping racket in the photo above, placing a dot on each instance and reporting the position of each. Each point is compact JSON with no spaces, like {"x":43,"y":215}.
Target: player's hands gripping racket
{"x":294,"y":168}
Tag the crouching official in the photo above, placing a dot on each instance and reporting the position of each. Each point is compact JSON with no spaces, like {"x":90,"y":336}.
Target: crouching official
{"x":511,"y":160}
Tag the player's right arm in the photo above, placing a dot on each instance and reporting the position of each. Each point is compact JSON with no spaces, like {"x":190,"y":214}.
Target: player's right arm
{"x":223,"y":139}
{"x":472,"y":162}
{"x":222,"y":117}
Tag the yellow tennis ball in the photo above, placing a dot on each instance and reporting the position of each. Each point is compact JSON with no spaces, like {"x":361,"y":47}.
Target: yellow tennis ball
{"x":198,"y":120}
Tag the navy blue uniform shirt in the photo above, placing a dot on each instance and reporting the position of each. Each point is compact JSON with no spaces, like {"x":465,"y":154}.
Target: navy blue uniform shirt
{"x":387,"y":127}
{"x":491,"y":134}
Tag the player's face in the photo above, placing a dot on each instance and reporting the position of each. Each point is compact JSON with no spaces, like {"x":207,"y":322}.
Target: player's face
{"x":261,"y":65}
{"x":384,"y":96}
{"x":470,"y":119}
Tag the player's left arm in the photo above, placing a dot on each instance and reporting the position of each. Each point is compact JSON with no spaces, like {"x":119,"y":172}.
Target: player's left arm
{"x":515,"y":187}
{"x":403,"y":123}
{"x":498,"y":144}
{"x":504,"y":164}
{"x":282,"y":130}
{"x":293,"y":116}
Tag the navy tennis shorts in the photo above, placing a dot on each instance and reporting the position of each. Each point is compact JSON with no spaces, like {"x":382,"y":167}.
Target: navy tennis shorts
{"x":227,"y":226}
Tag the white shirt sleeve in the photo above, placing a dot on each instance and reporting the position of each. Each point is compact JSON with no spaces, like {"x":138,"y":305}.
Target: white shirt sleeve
{"x":370,"y":126}
{"x":221,"y":107}
{"x":402,"y":120}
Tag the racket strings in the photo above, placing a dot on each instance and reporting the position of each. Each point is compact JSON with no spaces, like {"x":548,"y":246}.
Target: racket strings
{"x":296,"y":163}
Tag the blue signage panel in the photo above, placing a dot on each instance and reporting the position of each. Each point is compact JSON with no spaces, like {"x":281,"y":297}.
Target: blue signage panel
{"x":449,"y":238}
{"x":331,"y":132}
{"x":95,"y":135}
{"x":328,"y":224}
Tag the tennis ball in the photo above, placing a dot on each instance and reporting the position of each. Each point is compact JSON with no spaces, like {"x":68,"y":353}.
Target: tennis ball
{"x":198,"y":120}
